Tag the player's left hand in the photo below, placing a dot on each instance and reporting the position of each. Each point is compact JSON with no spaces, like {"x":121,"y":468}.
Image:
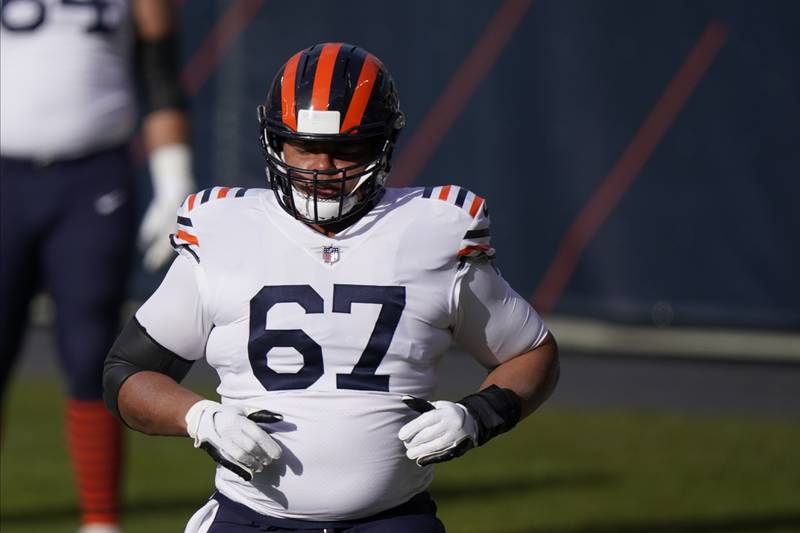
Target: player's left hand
{"x":233,"y":438}
{"x":445,"y":430}
{"x":170,"y":169}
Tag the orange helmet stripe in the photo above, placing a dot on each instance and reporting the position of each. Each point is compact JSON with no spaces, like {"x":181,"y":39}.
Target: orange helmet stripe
{"x":366,"y":80}
{"x":288,"y":112}
{"x":323,"y":76}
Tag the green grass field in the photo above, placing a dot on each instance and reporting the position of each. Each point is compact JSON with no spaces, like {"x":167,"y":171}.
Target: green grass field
{"x":559,"y":471}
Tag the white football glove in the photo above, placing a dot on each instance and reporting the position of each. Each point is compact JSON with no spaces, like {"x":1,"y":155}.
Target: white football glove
{"x":171,"y":172}
{"x":443,"y":431}
{"x":231,"y":437}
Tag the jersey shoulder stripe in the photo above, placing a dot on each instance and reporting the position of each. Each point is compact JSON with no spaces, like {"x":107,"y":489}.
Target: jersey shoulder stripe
{"x":185,"y":239}
{"x":183,"y":246}
{"x":214,"y":193}
{"x":458,"y":196}
{"x":476,"y":241}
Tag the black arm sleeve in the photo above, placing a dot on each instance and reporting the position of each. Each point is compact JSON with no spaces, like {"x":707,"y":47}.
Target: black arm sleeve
{"x":158,"y":72}
{"x":495,"y":411}
{"x":134,"y":351}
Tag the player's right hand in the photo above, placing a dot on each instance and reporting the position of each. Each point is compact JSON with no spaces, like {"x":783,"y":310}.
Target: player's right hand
{"x":232,"y":438}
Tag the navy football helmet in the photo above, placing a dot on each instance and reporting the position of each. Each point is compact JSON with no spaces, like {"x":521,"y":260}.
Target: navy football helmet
{"x":330,"y":93}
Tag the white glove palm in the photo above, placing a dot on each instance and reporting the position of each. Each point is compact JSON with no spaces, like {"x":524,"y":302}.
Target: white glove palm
{"x":446,"y":430}
{"x":170,"y":169}
{"x":231,"y":438}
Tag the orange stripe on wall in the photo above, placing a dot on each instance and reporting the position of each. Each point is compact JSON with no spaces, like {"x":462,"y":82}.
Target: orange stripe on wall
{"x":455,"y":96}
{"x":628,"y":166}
{"x":323,"y":76}
{"x":222,"y":37}
{"x":363,"y":90}
{"x":187,"y":237}
{"x":288,"y":113}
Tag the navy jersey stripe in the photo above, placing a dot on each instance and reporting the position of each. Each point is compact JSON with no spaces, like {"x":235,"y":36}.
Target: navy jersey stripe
{"x":462,"y":194}
{"x":185,"y":221}
{"x":186,"y":247}
{"x":477,"y":233}
{"x":206,"y":196}
{"x":427,"y":192}
{"x":240,"y":193}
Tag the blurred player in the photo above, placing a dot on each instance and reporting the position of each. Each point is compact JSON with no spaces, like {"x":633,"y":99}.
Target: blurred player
{"x":325,"y":305}
{"x":67,"y":112}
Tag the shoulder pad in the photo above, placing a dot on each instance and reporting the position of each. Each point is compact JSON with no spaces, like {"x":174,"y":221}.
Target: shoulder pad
{"x":458,"y":196}
{"x":476,"y":242}
{"x":185,"y":239}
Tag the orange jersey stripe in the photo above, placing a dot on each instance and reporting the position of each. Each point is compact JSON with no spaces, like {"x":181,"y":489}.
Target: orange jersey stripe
{"x":444,"y":193}
{"x":188,"y":237}
{"x":191,"y":201}
{"x":469,"y":249}
{"x":288,"y":113}
{"x":223,"y":192}
{"x":476,"y":205}
{"x":323,"y":76}
{"x":366,"y":80}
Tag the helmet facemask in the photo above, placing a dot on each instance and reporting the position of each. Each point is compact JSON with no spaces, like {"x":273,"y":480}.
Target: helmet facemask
{"x":326,"y":196}
{"x":336,"y":97}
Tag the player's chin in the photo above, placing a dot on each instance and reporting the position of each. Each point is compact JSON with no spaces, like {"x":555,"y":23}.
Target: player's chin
{"x":308,"y":190}
{"x":330,"y":194}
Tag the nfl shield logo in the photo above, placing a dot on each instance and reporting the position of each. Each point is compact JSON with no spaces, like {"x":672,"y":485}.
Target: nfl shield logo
{"x":330,"y":254}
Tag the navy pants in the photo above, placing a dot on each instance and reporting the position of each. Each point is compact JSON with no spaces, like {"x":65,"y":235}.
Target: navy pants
{"x":68,"y":227}
{"x":418,"y":515}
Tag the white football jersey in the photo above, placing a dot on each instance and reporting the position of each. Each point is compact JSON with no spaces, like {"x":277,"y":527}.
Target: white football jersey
{"x":65,"y":78}
{"x":331,"y":332}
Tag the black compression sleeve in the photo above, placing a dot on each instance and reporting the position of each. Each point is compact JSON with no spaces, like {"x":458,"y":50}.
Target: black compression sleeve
{"x":495,"y":411}
{"x":134,"y":351}
{"x":157,"y":67}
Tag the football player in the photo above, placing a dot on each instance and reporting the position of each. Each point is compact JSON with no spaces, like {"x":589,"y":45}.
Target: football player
{"x":325,"y":304}
{"x":67,"y":112}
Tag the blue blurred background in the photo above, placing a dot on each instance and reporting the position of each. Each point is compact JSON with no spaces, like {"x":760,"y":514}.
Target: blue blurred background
{"x":640,"y":159}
